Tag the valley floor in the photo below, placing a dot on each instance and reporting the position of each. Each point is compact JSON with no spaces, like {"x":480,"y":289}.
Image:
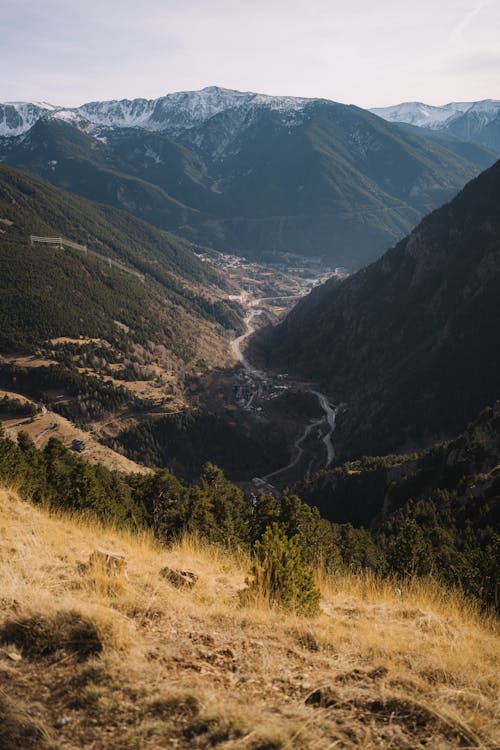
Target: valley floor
{"x":137,"y":664}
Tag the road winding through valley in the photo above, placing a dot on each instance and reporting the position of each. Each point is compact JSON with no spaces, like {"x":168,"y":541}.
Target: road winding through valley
{"x":331,"y":415}
{"x":257,"y":376}
{"x":236,"y":344}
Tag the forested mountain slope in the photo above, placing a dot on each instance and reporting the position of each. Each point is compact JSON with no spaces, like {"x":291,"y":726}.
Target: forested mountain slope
{"x":47,"y":292}
{"x":461,"y":476}
{"x":409,"y":342}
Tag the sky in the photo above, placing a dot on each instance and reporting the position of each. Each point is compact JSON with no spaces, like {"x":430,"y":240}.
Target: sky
{"x":365,"y":52}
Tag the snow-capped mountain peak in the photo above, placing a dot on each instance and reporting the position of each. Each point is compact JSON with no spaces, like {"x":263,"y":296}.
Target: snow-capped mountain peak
{"x":18,"y":117}
{"x":477,"y":122}
{"x":437,"y":117}
{"x":183,"y":109}
{"x":171,"y":113}
{"x":415,"y":113}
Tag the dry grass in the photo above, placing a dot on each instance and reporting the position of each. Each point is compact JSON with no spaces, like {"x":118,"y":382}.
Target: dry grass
{"x":193,"y":669}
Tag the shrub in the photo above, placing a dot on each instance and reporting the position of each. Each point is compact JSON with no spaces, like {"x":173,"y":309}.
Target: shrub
{"x":279,"y":575}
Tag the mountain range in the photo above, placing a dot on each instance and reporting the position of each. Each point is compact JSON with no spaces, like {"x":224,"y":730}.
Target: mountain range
{"x":476,"y":122}
{"x":409,"y":342}
{"x":246,"y":172}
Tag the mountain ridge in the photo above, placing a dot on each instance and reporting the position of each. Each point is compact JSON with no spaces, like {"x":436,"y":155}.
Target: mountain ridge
{"x":198,"y":106}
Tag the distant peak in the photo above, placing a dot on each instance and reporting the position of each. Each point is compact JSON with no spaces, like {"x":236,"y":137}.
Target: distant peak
{"x":434,"y":116}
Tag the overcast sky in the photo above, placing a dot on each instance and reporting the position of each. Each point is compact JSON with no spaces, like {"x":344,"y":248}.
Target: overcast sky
{"x":365,"y":52}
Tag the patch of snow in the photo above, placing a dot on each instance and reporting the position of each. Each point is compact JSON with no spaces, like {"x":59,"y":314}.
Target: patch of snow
{"x":153,"y":155}
{"x":67,"y":115}
{"x":364,"y":141}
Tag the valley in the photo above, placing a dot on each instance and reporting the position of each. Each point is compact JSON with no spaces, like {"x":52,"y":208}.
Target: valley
{"x":249,"y":376}
{"x":261,"y":400}
{"x":115,"y":388}
{"x":254,"y":389}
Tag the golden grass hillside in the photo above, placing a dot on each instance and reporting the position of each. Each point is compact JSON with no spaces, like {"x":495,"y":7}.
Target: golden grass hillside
{"x":138,"y":664}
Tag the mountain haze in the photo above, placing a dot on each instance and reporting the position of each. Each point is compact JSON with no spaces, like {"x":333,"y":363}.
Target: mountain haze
{"x":245,"y":172}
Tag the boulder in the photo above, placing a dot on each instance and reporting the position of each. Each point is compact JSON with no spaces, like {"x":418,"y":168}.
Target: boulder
{"x":179,"y":578}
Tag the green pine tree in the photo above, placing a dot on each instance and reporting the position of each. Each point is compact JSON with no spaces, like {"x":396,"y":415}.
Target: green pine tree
{"x":279,"y":575}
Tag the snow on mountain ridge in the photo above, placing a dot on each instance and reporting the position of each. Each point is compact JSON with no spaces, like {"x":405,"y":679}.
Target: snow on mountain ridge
{"x":437,"y":117}
{"x":183,"y":109}
{"x":124,"y":113}
{"x":415,"y":113}
{"x":18,"y":117}
{"x":41,"y":105}
{"x":185,"y":112}
{"x":173,"y":112}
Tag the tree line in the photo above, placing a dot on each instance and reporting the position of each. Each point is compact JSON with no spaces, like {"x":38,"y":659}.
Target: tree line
{"x":422,"y":538}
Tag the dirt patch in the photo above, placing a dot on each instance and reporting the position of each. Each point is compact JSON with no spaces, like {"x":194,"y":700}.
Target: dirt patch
{"x":417,"y":718}
{"x":406,"y":716}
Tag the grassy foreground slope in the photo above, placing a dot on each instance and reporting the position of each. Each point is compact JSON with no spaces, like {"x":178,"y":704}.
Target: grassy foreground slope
{"x":145,"y":665}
